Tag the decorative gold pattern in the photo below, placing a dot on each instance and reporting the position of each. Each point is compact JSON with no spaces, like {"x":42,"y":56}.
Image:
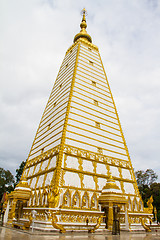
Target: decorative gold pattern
{"x":147,"y":228}
{"x":55,"y":180}
{"x":83,"y":33}
{"x":55,"y":225}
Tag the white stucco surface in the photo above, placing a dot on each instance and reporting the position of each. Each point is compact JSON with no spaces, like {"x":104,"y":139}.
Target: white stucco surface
{"x":33,"y":182}
{"x":129,"y":189}
{"x":87,"y":166}
{"x":101,"y":183}
{"x":126,"y":174}
{"x":31,"y":171}
{"x":37,"y":168}
{"x":72,"y":179}
{"x":49,"y":178}
{"x":89,"y":182}
{"x":101,"y":168}
{"x":114,"y":171}
{"x":44,"y":165}
{"x":40,"y":180}
{"x":52,"y":163}
{"x":72,"y":162}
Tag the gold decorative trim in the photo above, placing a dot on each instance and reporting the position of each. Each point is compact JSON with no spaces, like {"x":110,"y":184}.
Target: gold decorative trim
{"x":95,"y":102}
{"x":91,"y":77}
{"x":55,"y":110}
{"x":79,"y":76}
{"x":135,"y":184}
{"x":53,"y":116}
{"x":97,"y":175}
{"x":97,"y":134}
{"x":43,"y":156}
{"x":80,"y":93}
{"x":95,"y":110}
{"x":54,"y":221}
{"x":94,"y":126}
{"x":94,"y":115}
{"x":35,"y":147}
{"x":99,"y":221}
{"x":49,"y":130}
{"x":94,"y":58}
{"x":88,"y":66}
{"x":56,"y":179}
{"x":93,"y":156}
{"x":43,"y":115}
{"x":147,"y":228}
{"x":78,"y":141}
{"x":83,"y":41}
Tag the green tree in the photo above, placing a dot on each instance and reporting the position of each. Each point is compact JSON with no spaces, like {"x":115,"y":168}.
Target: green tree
{"x":19,"y":171}
{"x":6,"y":181}
{"x":145,"y":178}
{"x":155,"y":192}
{"x":147,"y":187}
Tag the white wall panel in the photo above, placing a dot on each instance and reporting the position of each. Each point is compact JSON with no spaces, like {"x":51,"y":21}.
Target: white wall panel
{"x":90,"y":67}
{"x":126,"y":174}
{"x":44,"y":165}
{"x":72,"y":162}
{"x":52,"y":163}
{"x":89,"y":182}
{"x":129,"y":189}
{"x":101,"y":183}
{"x":118,"y":184}
{"x":94,"y":142}
{"x":85,"y":84}
{"x":52,"y":145}
{"x":40,"y":146}
{"x":89,"y":53}
{"x":90,"y":97}
{"x":94,"y":111}
{"x":34,"y":155}
{"x":40,"y":181}
{"x":48,"y":137}
{"x":55,"y":110}
{"x":37,"y":168}
{"x":114,"y":171}
{"x":115,"y":155}
{"x":33,"y":182}
{"x":31,"y":171}
{"x":72,"y":179}
{"x":95,"y":118}
{"x":80,"y":145}
{"x":49,"y":178}
{"x":97,"y":135}
{"x":101,"y":169}
{"x":90,"y":103}
{"x":51,"y":115}
{"x":51,"y":129}
{"x":87,"y":166}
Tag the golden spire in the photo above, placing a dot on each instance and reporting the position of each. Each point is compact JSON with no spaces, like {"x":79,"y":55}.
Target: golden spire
{"x":83,"y":33}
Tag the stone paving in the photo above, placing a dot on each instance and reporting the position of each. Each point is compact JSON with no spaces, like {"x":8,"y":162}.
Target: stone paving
{"x":14,"y":234}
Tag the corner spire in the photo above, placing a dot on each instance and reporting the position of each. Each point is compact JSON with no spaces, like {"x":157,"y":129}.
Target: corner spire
{"x":83,"y":33}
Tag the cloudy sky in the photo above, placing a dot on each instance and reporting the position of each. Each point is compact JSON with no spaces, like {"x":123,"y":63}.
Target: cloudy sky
{"x":35,"y":35}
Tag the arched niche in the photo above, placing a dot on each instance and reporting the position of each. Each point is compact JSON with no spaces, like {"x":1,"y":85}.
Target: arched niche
{"x":94,"y":201}
{"x":85,"y":200}
{"x":76,"y":200}
{"x":67,"y":199}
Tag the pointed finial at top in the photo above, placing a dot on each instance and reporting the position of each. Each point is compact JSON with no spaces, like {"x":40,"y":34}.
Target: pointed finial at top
{"x":83,"y":33}
{"x":83,"y":23}
{"x":84,"y":13}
